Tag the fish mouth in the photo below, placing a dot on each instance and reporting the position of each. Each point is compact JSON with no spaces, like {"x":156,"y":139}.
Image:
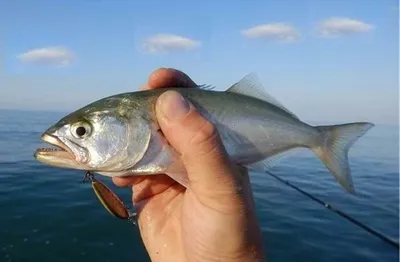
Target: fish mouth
{"x":59,"y":149}
{"x":59,"y":155}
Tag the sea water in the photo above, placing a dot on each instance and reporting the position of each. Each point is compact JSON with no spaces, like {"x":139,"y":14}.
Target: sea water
{"x":48,"y":214}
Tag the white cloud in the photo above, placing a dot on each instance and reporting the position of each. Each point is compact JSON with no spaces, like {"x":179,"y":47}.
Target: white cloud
{"x":54,"y":56}
{"x":166,"y":43}
{"x":276,"y":31}
{"x":341,"y":26}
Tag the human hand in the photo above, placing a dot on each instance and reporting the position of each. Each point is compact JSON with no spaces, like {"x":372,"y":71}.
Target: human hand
{"x":211,"y":220}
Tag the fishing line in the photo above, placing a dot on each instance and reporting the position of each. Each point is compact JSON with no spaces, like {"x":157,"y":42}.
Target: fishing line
{"x":340,"y":213}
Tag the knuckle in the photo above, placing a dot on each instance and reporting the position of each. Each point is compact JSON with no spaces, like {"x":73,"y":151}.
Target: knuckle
{"x":160,"y":70}
{"x":206,"y":142}
{"x":206,"y":134}
{"x":156,"y":73}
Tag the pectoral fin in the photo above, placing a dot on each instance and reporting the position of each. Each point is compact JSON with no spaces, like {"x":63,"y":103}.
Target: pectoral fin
{"x":180,"y":177}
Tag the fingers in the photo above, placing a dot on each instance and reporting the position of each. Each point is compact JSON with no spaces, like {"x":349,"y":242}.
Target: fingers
{"x":144,"y":186}
{"x":209,"y":168}
{"x":127,"y":181}
{"x":168,"y":77}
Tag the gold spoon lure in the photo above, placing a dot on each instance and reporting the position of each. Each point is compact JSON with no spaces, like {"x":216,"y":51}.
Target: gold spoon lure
{"x":111,"y":202}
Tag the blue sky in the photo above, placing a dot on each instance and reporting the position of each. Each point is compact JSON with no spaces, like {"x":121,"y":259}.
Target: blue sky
{"x":349,"y":73}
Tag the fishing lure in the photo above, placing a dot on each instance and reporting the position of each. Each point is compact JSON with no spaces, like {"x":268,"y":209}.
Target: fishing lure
{"x":111,"y":202}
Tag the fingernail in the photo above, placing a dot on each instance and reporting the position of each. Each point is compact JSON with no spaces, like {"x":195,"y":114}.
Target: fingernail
{"x":173,"y":106}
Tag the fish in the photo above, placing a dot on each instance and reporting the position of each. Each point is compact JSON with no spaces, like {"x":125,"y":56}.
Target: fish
{"x":119,"y":135}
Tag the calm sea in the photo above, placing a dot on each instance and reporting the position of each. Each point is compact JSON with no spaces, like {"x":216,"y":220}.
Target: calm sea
{"x":47,"y":214}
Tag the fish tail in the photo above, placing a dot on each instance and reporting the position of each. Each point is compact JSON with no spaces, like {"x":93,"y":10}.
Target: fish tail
{"x":334,"y":147}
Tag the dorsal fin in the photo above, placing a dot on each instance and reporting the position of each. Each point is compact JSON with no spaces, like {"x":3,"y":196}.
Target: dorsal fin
{"x":206,"y":87}
{"x":251,"y":86}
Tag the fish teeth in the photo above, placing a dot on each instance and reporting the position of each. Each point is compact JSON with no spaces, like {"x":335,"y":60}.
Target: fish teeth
{"x":47,"y":149}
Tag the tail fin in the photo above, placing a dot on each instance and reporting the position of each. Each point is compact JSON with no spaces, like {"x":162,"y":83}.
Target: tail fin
{"x":333,"y":152}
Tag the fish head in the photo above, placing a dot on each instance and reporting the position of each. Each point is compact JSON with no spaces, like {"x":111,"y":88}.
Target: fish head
{"x":96,"y":140}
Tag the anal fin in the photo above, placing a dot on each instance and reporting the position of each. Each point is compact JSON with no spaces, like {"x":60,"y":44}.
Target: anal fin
{"x":271,"y":161}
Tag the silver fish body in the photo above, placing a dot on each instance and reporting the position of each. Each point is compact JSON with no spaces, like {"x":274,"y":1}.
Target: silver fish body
{"x":121,"y":136}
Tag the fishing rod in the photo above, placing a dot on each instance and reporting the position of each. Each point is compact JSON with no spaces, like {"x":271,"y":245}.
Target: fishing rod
{"x":340,"y":213}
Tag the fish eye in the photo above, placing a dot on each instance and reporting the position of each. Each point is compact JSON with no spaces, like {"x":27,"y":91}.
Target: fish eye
{"x":81,"y":130}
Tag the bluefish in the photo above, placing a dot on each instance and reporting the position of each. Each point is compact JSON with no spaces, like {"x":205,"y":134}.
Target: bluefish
{"x":119,"y":135}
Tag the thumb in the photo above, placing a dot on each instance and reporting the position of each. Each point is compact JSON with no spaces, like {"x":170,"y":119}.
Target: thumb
{"x":197,"y":140}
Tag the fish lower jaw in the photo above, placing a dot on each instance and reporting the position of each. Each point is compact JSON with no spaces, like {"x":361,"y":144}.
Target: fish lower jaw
{"x":58,"y":158}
